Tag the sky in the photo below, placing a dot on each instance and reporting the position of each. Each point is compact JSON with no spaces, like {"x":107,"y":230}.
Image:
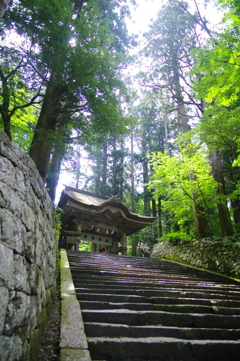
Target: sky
{"x":143,"y":15}
{"x":147,"y":11}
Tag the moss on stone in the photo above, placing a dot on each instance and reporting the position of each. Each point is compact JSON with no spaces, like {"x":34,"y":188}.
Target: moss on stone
{"x":210,"y":255}
{"x":36,"y":336}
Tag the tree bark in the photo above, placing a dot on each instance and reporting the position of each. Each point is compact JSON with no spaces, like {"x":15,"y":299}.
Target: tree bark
{"x":114,"y":169}
{"x":54,"y":169}
{"x":147,"y":197}
{"x":132,"y":177}
{"x":121,"y":190}
{"x":160,"y":227}
{"x":236,"y":213}
{"x":105,"y":155}
{"x":182,"y":115}
{"x":223,"y":211}
{"x":78,"y":171}
{"x":42,"y":142}
{"x":3,"y":7}
{"x":4,"y":108}
{"x":145,"y":164}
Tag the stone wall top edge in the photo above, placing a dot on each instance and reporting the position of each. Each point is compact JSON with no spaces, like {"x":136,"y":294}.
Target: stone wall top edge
{"x":203,"y":242}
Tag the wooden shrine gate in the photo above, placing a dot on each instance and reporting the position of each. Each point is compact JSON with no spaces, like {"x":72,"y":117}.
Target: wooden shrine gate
{"x":97,"y":219}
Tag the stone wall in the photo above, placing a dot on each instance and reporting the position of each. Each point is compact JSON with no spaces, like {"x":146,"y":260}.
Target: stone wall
{"x":27,"y":254}
{"x":213,"y":256}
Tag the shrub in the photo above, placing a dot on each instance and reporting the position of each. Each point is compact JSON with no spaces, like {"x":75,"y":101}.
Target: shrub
{"x":175,"y":236}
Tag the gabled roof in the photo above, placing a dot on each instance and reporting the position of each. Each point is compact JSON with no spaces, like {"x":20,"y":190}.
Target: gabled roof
{"x":92,"y":210}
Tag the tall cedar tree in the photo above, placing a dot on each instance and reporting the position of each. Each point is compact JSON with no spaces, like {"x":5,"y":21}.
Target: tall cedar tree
{"x":170,"y":41}
{"x":77,"y":48}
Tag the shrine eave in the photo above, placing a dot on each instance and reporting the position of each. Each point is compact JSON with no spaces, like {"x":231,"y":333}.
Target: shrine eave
{"x":77,"y":204}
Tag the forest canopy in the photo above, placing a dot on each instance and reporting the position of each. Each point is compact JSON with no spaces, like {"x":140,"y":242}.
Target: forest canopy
{"x":152,"y":118}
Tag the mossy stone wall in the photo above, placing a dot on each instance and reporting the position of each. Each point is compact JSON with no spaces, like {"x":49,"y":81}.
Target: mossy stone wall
{"x":221,"y":257}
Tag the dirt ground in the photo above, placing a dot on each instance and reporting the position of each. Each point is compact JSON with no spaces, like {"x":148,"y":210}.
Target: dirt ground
{"x":50,"y":342}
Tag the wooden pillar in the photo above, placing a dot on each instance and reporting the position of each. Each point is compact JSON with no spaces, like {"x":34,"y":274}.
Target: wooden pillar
{"x":93,"y":248}
{"x":124,"y":244}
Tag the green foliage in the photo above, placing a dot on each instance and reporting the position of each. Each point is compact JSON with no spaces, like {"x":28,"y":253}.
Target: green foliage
{"x":59,"y":211}
{"x":182,"y":180}
{"x":146,"y":235}
{"x":175,"y":236}
{"x":218,"y":84}
{"x":18,"y":83}
{"x":78,"y":48}
{"x":85,"y":246}
{"x":217,"y":66}
{"x":22,"y":126}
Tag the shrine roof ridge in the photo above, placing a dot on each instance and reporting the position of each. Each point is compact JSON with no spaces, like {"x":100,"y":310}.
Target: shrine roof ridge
{"x":85,"y":192}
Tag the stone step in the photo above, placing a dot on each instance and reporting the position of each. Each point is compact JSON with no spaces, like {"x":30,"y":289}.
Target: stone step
{"x":158,"y":293}
{"x":156,"y":300}
{"x":146,"y":279}
{"x":180,"y":308}
{"x":141,"y":318}
{"x":143,"y":309}
{"x":125,"y":284}
{"x":162,"y":349}
{"x":159,"y":266}
{"x":144,"y":276}
{"x":94,"y":329}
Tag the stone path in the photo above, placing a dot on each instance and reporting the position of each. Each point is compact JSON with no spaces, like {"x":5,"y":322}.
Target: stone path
{"x":143,"y":309}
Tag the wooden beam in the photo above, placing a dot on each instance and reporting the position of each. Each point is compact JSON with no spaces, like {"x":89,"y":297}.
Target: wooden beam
{"x":72,"y":233}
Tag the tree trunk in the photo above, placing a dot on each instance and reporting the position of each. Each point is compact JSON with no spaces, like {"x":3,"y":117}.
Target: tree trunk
{"x":232,"y":177}
{"x":145,"y":152}
{"x":53,"y":175}
{"x":132,"y":177}
{"x":78,"y":171}
{"x":235,"y":204}
{"x":115,"y":190}
{"x":154,"y":226}
{"x":42,"y":142}
{"x":201,"y":223}
{"x":3,"y":7}
{"x":98,"y":175}
{"x":182,"y":114}
{"x":121,"y":165}
{"x":104,"y":167}
{"x":223,"y":211}
{"x":54,"y":169}
{"x":4,"y":109}
{"x":160,"y":227}
{"x":147,"y":197}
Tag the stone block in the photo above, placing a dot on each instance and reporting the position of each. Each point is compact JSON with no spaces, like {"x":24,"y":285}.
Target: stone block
{"x":18,"y":312}
{"x":7,"y":172}
{"x":3,"y":307}
{"x":11,"y":348}
{"x":20,"y":184}
{"x":69,"y":354}
{"x":6,"y":267}
{"x":21,"y":274}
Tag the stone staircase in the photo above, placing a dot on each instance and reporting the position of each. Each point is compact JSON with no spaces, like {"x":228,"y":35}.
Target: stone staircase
{"x":144,"y":309}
